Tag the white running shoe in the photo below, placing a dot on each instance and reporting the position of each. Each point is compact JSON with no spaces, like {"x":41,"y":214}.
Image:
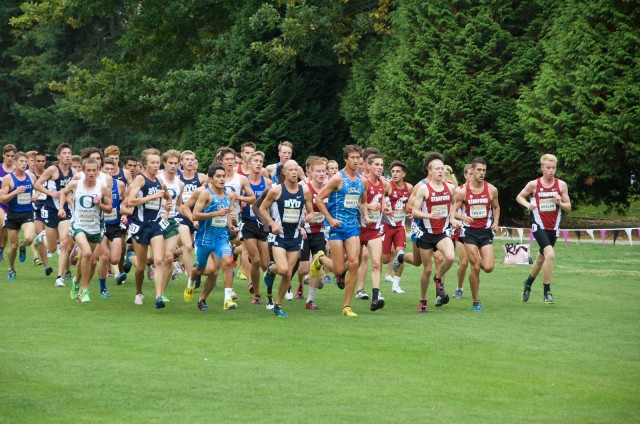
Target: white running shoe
{"x":388,"y":279}
{"x":59,"y":282}
{"x":362,"y":295}
{"x":397,"y":261}
{"x":139,"y":299}
{"x":40,"y":238}
{"x":397,"y":289}
{"x":289,"y":295}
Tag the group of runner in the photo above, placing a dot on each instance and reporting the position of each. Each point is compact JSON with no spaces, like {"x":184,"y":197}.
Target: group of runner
{"x":281,"y":219}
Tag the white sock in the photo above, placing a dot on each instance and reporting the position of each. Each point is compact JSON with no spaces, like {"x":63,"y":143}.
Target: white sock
{"x":311,"y":293}
{"x":190,"y":283}
{"x":396,"y":280}
{"x":227,"y":293}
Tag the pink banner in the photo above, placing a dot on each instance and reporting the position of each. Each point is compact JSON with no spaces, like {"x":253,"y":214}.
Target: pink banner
{"x":565,"y":233}
{"x":603,"y":234}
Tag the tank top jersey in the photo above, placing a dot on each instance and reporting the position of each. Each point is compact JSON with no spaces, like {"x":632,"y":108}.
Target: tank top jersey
{"x":317,"y":222}
{"x":375,"y":193}
{"x":287,"y":212}
{"x":2,"y":175}
{"x":436,"y":202}
{"x":87,"y":216}
{"x":57,"y":185}
{"x":113,"y":217}
{"x":478,"y":207}
{"x":241,"y":172}
{"x":547,"y":214}
{"x":41,"y":196}
{"x":149,"y":211}
{"x":343,"y":204}
{"x":274,"y":177}
{"x":233,"y":185}
{"x":258,"y":189}
{"x":22,"y":202}
{"x":120,"y":176}
{"x":398,"y":202}
{"x":174,"y":191}
{"x":214,"y":230}
{"x":190,"y":185}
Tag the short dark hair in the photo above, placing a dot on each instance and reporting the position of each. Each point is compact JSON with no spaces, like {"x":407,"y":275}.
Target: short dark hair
{"x":129,"y":158}
{"x":478,"y":161}
{"x":431,"y":156}
{"x":214,"y":167}
{"x":399,"y":163}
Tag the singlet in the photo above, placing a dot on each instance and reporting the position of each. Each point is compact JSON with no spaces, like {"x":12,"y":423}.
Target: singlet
{"x":233,"y":185}
{"x":87,"y":216}
{"x":478,"y":206}
{"x":258,"y":189}
{"x":174,"y":190}
{"x":438,"y":202}
{"x":317,"y":222}
{"x":190,"y":185}
{"x":274,"y":177}
{"x":214,"y":230}
{"x":343,"y":204}
{"x":241,"y":172}
{"x":57,"y":185}
{"x":547,"y":214}
{"x":398,"y":202}
{"x":22,"y":202}
{"x":41,"y":196}
{"x":375,"y":194}
{"x":120,"y":176}
{"x":287,"y":212}
{"x":151,"y":210}
{"x":2,"y":174}
{"x":113,"y":217}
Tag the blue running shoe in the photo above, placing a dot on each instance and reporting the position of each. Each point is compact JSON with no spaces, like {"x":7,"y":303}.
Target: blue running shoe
{"x":159,"y":303}
{"x":12,"y":274}
{"x":23,"y":254}
{"x":67,"y":275}
{"x":1,"y":253}
{"x":121,"y":278}
{"x":105,"y":294}
{"x":477,"y":306}
{"x":48,"y":270}
{"x":277,"y":309}
{"x":127,"y":262}
{"x":269,"y":276}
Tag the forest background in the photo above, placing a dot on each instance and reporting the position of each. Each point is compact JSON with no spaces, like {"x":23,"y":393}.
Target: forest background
{"x":507,"y":80}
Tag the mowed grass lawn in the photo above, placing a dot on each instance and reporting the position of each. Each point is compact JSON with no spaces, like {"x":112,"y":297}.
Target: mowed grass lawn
{"x":111,"y":361}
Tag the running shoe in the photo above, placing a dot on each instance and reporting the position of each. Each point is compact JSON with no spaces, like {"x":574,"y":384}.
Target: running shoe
{"x":316,"y":264}
{"x":39,"y":238}
{"x":165,"y":299}
{"x":159,"y":303}
{"x":84,"y":296}
{"x":11,"y":275}
{"x":121,"y":278}
{"x":139,"y":299}
{"x":289,"y":295}
{"x":397,"y":289}
{"x":230,"y":304}
{"x":347,"y":312}
{"x":305,"y":281}
{"x":234,"y":296}
{"x":422,"y":306}
{"x":256,"y":300}
{"x":299,"y":293}
{"x":269,"y":302}
{"x":548,"y":298}
{"x":188,"y":294}
{"x":250,"y":287}
{"x":48,"y":270}
{"x":398,"y":260}
{"x":377,"y":304}
{"x":241,"y":274}
{"x":362,"y":295}
{"x":74,"y":255}
{"x":442,"y":299}
{"x":104,"y":293}
{"x":202,"y":305}
{"x":127,"y":262}
{"x":327,"y":280}
{"x":477,"y":306}
{"x":59,"y":282}
{"x":150,"y":273}
{"x":389,"y":279}
{"x":340,"y":281}
{"x":67,"y":275}
{"x":526,"y":294}
{"x":311,"y":305}
{"x":269,"y":276}
{"x":458,"y":294}
{"x":198,"y":281}
{"x":175,"y":277}
{"x":37,"y":262}
{"x":75,"y":288}
{"x":277,"y":309}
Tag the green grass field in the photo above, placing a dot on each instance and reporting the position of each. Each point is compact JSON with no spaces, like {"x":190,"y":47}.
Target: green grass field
{"x":111,"y":361}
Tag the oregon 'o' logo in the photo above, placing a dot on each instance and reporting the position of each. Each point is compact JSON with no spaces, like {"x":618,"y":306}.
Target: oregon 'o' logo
{"x":86,"y":201}
{"x":173,"y":193}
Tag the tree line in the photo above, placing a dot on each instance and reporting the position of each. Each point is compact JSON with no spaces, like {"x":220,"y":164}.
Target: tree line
{"x":506,"y":80}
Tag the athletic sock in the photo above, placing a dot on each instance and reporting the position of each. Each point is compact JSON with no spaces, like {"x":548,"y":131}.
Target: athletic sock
{"x":374,"y":295}
{"x":311,"y":294}
{"x":529,"y":281}
{"x":227,"y":293}
{"x":190,"y":284}
{"x":396,"y":280}
{"x":547,"y":288}
{"x":103,"y":283}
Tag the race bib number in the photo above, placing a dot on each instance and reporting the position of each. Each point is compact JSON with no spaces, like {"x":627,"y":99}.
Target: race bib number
{"x":291,"y":216}
{"x":219,"y":221}
{"x":478,"y":211}
{"x":44,"y":214}
{"x":399,"y":215}
{"x":164,"y":224}
{"x":318,"y":218}
{"x":351,"y":201}
{"x":24,"y":198}
{"x":85,"y":218}
{"x":186,"y":196}
{"x":133,"y":229}
{"x":547,"y":205}
{"x":440,"y":210}
{"x":111,"y":216}
{"x":153,"y":204}
{"x":271,"y":238}
{"x":374,"y":215}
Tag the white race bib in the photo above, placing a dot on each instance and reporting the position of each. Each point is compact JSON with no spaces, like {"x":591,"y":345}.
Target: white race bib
{"x":318,"y":218}
{"x":547,"y":205}
{"x":478,"y":211}
{"x":24,"y":198}
{"x":351,"y":201}
{"x":153,"y":204}
{"x":164,"y":224}
{"x":219,"y":221}
{"x":374,"y":215}
{"x":441,"y":210}
{"x":111,"y":216}
{"x":291,"y":216}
